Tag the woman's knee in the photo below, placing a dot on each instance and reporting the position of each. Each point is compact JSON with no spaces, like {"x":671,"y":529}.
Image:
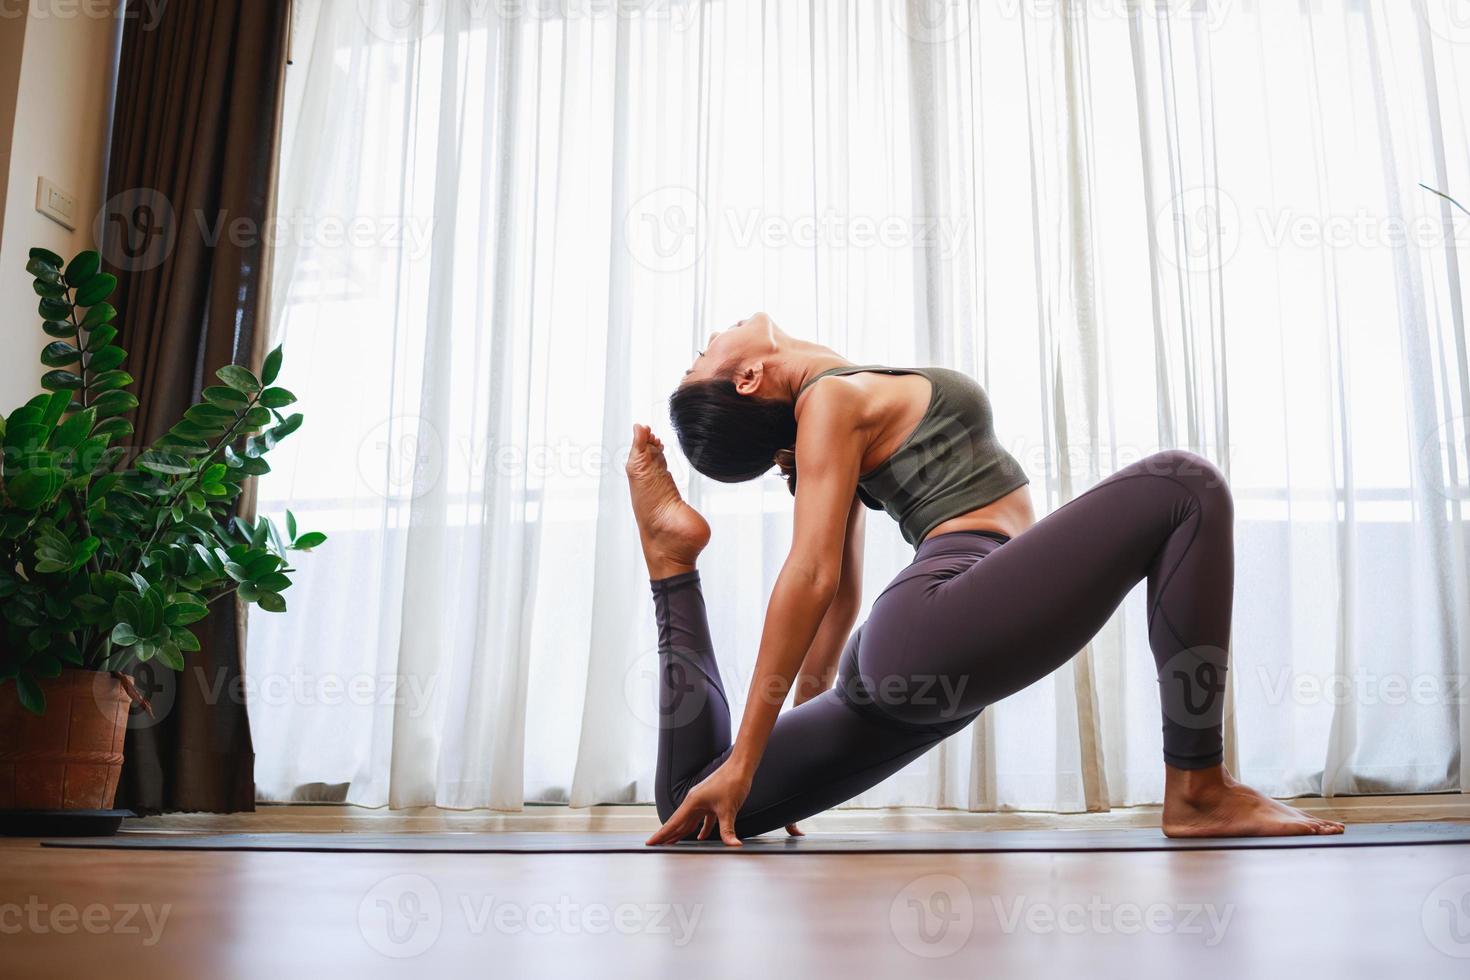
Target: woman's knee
{"x":1204,"y":480}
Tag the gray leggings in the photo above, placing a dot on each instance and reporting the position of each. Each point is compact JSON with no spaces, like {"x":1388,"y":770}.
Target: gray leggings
{"x":975,"y":618}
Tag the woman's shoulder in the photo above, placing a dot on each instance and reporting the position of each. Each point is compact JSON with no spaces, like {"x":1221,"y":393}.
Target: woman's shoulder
{"x":832,"y":391}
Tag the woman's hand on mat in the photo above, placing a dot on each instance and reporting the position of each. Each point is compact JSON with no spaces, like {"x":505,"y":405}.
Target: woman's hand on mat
{"x":710,"y":806}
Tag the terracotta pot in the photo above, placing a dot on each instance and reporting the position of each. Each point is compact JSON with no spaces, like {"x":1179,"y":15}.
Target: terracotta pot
{"x":70,"y":757}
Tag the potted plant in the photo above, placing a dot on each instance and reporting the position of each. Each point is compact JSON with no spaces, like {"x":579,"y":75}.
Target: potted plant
{"x":108,"y":555}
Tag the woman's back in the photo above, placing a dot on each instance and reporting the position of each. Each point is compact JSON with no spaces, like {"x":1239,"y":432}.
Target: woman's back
{"x":949,"y":465}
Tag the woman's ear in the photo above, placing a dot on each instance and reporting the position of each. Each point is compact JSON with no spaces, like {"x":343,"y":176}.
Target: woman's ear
{"x":748,"y":379}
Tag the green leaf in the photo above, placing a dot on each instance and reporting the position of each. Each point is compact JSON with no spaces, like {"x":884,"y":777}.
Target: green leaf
{"x":47,"y":256}
{"x":100,"y":338}
{"x":127,"y":607}
{"x":99,"y":314}
{"x":271,"y":602}
{"x":290,"y":525}
{"x":262,"y":564}
{"x":277,"y":542}
{"x":93,"y":456}
{"x":85,"y":551}
{"x":106,"y":359}
{"x":276,"y":398}
{"x":193,"y":431}
{"x":112,"y":403}
{"x":101,"y":487}
{"x":273,"y":582}
{"x":59,"y":328}
{"x":42,"y":269}
{"x":123,"y":635}
{"x":309,"y":540}
{"x":292,"y":423}
{"x":32,"y":412}
{"x":54,"y":309}
{"x":185,"y":611}
{"x":185,"y":639}
{"x":226,"y":398}
{"x":60,"y":354}
{"x":31,"y":696}
{"x":272,"y":366}
{"x":24,"y":437}
{"x":71,"y":432}
{"x":114,"y":428}
{"x":114,"y":584}
{"x":83,"y":268}
{"x":110,"y":381}
{"x":56,"y":405}
{"x":184,"y":445}
{"x":238,"y":378}
{"x":164,"y":464}
{"x":97,"y":289}
{"x":61,"y":381}
{"x":206,"y":414}
{"x":20,"y":613}
{"x":170,"y":655}
{"x":29,"y":489}
{"x":153,"y":609}
{"x":258,"y":416}
{"x":211,"y":559}
{"x":47,"y":289}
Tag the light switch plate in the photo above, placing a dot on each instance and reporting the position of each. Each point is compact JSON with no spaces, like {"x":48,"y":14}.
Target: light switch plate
{"x":58,"y":205}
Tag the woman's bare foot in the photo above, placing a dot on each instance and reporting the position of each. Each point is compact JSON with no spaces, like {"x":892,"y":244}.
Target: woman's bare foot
{"x":1210,"y":803}
{"x":672,"y":532}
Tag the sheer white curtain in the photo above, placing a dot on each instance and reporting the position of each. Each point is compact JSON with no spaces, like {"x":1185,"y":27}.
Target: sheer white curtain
{"x":1140,"y":223}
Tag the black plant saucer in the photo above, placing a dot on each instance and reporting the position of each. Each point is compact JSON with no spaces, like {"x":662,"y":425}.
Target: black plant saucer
{"x":61,"y":823}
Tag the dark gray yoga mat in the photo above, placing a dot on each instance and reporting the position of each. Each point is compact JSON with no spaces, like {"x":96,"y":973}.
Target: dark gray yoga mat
{"x":1360,"y":835}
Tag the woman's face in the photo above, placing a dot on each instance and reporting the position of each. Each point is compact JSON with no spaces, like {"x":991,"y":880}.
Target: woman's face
{"x":753,"y":338}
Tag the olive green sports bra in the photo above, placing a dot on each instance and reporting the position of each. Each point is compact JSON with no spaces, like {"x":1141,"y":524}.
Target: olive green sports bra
{"x":950,"y":464}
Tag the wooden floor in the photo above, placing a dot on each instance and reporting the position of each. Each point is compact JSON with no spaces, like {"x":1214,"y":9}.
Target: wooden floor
{"x":1362,"y":912}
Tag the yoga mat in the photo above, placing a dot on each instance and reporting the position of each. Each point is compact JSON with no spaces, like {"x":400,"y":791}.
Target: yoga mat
{"x":894,"y":842}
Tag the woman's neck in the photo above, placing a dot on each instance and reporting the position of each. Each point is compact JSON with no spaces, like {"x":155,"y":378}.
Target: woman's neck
{"x":805,"y":362}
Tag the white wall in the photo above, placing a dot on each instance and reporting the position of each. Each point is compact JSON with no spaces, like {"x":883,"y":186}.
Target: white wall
{"x":60,"y":101}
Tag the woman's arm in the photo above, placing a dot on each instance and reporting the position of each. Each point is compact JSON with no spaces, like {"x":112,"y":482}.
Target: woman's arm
{"x":829,"y":447}
{"x":819,"y":669}
{"x":829,"y":455}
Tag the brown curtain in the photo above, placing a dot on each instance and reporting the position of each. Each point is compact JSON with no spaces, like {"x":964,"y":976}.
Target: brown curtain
{"x":191,"y":181}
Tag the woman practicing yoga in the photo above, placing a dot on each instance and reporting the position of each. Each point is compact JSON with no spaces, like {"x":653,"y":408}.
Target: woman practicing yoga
{"x":994,"y":600}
